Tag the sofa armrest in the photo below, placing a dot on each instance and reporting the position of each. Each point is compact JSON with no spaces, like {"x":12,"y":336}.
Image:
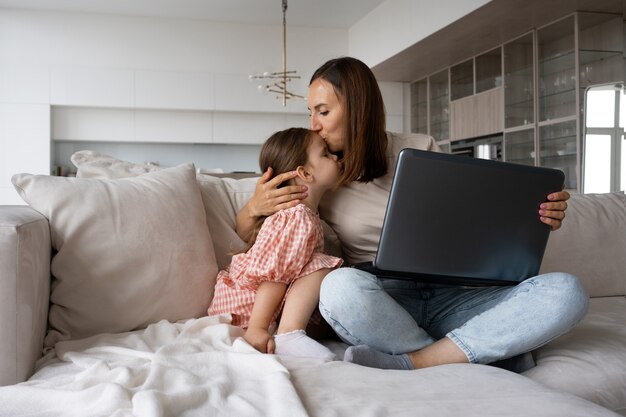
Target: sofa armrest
{"x":25,"y":251}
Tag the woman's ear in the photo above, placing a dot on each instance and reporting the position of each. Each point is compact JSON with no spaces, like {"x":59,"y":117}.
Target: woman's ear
{"x":304,"y":174}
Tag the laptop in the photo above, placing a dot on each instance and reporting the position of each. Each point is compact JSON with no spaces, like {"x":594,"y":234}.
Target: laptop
{"x":453,"y":219}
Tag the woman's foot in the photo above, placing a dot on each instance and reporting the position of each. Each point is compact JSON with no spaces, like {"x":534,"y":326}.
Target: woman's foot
{"x":366,"y":356}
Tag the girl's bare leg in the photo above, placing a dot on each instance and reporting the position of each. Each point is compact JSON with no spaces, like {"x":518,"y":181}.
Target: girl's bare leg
{"x":302,"y":299}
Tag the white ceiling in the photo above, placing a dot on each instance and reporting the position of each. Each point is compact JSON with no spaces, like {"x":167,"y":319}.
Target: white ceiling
{"x":319,"y":13}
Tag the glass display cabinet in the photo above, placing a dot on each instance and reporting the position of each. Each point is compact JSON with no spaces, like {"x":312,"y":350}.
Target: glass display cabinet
{"x":519,"y":82}
{"x":439,"y":100}
{"x":462,"y":80}
{"x":520,"y":146}
{"x":558,"y":149}
{"x":556,"y":63}
{"x":419,"y":106}
{"x":489,"y":70}
{"x":544,"y":74}
{"x":600,"y":46}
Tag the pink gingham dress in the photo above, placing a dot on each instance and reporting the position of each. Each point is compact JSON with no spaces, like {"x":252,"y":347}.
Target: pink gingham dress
{"x":289,"y":246}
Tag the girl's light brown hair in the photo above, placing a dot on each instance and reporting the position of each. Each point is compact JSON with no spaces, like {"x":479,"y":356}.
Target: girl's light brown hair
{"x":284,"y":151}
{"x":365,"y":139}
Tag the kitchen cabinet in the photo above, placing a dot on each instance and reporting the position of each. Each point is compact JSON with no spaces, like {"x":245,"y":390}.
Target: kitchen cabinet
{"x":419,"y":106}
{"x":529,"y":91}
{"x":439,"y":102}
{"x":462,"y":80}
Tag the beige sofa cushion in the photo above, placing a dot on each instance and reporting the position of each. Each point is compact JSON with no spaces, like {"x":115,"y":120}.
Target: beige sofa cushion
{"x":222,"y":197}
{"x":591,"y":243}
{"x":130,"y":251}
{"x":345,"y":389}
{"x":589,"y":360}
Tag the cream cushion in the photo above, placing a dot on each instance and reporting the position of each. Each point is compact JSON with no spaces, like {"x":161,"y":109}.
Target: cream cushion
{"x":94,"y":164}
{"x":222,"y":197}
{"x":346,"y":389}
{"x":589,"y":360}
{"x":593,"y":231}
{"x":129,"y":252}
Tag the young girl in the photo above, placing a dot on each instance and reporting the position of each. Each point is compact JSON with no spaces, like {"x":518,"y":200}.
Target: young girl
{"x":281,"y":272}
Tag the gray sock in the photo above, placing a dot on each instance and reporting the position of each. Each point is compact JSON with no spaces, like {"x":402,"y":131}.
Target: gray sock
{"x":366,"y":356}
{"x":518,"y":364}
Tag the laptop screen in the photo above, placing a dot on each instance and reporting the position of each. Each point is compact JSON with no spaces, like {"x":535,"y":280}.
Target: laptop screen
{"x":463,"y":218}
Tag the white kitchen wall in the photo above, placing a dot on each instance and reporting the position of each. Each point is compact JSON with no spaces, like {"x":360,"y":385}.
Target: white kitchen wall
{"x":149,"y":89}
{"x":24,"y":128}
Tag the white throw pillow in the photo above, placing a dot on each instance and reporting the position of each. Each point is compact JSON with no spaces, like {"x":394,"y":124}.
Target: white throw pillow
{"x":94,"y":164}
{"x":129,"y":252}
{"x":223,"y":198}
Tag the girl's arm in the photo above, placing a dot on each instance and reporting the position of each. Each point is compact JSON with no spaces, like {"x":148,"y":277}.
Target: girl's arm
{"x":268,"y":298}
{"x":268,"y":199}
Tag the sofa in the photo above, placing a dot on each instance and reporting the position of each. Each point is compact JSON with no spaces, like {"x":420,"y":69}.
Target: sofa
{"x":106,"y":278}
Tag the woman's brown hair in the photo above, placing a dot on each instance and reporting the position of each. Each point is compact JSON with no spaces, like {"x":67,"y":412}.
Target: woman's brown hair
{"x":365,"y":139}
{"x":284,"y":151}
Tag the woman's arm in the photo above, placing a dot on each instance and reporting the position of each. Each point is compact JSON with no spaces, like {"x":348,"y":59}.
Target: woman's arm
{"x":552,"y":212}
{"x":268,"y":199}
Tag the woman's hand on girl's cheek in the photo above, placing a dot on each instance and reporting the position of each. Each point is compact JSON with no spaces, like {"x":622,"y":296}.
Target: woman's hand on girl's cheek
{"x":268,"y":199}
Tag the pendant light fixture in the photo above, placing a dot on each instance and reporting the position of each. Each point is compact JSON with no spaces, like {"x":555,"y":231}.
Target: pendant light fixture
{"x":276,"y":82}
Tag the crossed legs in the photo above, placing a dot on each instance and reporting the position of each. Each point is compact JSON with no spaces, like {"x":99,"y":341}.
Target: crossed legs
{"x":449,"y":324}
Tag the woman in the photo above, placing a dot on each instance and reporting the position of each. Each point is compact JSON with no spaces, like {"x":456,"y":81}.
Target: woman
{"x":396,"y":323}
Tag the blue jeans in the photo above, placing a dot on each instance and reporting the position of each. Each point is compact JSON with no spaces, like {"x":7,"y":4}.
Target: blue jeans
{"x":486,"y":323}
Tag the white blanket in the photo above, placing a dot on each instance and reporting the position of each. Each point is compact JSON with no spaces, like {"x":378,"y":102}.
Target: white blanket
{"x":198,"y":367}
{"x":204,"y":368}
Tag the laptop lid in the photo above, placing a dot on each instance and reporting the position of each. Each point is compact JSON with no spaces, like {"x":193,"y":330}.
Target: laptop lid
{"x":455,"y":219}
